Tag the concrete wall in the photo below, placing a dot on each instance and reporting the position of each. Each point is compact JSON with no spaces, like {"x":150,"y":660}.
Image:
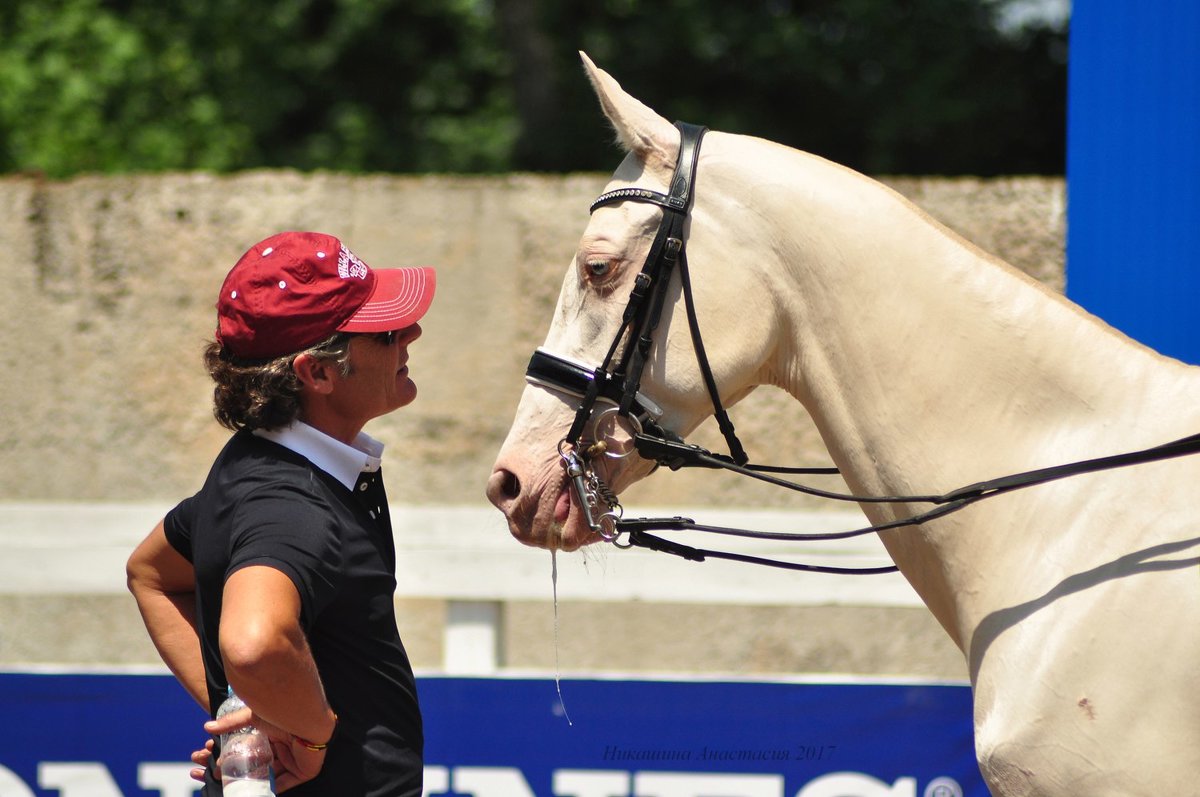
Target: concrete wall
{"x":109,"y":291}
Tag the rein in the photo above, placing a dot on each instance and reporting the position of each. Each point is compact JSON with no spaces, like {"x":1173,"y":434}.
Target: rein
{"x":629,"y":420}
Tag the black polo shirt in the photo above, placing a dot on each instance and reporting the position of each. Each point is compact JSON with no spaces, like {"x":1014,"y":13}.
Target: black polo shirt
{"x":264,"y":504}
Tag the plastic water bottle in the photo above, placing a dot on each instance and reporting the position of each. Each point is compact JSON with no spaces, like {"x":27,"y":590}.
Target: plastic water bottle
{"x":245,"y":757}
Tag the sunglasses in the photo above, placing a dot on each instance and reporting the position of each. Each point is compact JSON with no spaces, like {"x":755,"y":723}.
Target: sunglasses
{"x":386,"y":338}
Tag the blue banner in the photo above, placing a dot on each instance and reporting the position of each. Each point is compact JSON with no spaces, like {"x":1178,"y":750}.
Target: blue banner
{"x":119,"y":735}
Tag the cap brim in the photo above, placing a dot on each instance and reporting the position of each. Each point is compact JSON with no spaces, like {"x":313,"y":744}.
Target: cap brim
{"x":400,"y":298}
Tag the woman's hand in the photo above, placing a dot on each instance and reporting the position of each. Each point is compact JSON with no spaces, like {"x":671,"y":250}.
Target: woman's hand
{"x":201,"y":758}
{"x":294,"y":762}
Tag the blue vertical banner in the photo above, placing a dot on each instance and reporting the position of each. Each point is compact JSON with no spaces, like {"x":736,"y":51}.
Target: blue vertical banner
{"x":1133,"y":169}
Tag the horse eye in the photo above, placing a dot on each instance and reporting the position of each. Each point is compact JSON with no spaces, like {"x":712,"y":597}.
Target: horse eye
{"x":598,"y":268}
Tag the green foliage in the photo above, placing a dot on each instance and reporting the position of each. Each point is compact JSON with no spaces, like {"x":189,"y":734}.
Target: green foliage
{"x":82,"y":89}
{"x":355,"y":85}
{"x":886,"y":86}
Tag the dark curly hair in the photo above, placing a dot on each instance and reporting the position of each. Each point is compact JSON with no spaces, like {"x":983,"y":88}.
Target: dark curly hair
{"x":264,"y":394}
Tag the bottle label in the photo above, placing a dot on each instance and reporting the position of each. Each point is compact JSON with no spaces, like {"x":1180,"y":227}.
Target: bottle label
{"x":247,"y":788}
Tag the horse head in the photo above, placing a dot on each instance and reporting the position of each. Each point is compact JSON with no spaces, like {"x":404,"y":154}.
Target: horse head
{"x":529,"y":482}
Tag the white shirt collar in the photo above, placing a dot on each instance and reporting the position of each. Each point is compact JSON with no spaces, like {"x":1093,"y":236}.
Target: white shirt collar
{"x":339,"y":460}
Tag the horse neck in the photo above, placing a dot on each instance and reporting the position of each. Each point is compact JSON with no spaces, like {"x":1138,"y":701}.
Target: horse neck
{"x":927,"y":365}
{"x":903,"y":338}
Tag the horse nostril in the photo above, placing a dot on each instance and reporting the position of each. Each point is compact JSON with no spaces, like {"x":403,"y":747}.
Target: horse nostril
{"x":510,"y":485}
{"x":503,"y":488}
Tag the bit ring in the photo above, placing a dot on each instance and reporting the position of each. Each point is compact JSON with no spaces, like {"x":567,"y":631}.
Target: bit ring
{"x":627,"y":426}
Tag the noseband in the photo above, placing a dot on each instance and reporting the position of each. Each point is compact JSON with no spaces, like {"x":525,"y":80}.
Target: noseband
{"x":623,"y":420}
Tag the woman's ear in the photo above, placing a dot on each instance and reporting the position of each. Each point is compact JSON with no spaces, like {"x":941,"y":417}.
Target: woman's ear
{"x":316,"y":374}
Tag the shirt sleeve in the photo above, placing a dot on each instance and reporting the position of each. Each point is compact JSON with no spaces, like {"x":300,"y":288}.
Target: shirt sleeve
{"x":178,"y":525}
{"x":291,"y":530}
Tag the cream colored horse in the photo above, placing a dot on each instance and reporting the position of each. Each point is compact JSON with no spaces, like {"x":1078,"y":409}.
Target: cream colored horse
{"x":926,"y":364}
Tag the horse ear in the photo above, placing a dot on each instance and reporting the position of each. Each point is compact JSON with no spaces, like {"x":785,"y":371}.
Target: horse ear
{"x":639,"y":129}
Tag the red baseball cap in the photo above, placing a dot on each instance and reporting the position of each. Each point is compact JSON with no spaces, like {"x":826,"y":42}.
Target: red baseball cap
{"x":295,"y":289}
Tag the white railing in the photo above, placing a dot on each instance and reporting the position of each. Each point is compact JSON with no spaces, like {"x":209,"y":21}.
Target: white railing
{"x":465,"y":556}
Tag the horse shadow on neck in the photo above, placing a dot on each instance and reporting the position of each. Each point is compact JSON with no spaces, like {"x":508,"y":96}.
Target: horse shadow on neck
{"x":1132,"y":564}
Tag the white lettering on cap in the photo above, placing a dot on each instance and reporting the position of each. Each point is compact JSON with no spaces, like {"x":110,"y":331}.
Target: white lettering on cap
{"x":350,"y":266}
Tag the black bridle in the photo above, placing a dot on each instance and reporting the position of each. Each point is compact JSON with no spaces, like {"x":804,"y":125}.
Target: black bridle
{"x":630,"y":421}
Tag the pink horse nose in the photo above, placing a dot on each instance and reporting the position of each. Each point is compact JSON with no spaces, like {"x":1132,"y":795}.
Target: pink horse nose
{"x":503,"y":489}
